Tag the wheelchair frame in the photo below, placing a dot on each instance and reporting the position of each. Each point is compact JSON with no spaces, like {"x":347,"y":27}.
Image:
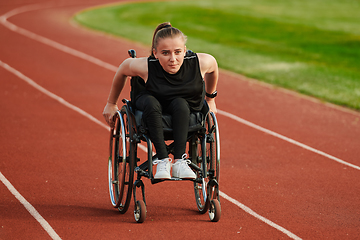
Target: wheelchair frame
{"x":203,"y":151}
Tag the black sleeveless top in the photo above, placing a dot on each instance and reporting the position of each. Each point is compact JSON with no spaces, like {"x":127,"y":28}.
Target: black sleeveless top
{"x":187,"y":83}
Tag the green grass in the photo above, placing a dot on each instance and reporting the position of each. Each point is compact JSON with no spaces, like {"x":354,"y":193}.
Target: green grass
{"x":310,"y":46}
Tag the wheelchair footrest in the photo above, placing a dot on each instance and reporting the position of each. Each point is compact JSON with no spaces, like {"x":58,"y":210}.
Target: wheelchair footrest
{"x":154,"y":181}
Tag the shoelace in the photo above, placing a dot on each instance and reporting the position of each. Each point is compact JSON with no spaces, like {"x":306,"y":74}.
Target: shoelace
{"x":183,"y":161}
{"x":162,"y":163}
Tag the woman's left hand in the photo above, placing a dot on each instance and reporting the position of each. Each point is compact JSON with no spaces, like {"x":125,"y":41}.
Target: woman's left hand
{"x":212,"y":105}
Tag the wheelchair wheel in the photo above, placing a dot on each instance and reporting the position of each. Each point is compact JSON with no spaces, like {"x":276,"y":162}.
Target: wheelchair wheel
{"x":121,"y":163}
{"x":140,"y":211}
{"x":215,"y":210}
{"x":208,"y":155}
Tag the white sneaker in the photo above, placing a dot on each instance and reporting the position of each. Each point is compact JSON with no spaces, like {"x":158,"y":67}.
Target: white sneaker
{"x":163,"y":168}
{"x":181,"y":169}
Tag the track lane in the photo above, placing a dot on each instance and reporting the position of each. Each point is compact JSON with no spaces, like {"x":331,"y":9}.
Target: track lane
{"x":292,"y":186}
{"x":223,"y":141}
{"x":34,"y":213}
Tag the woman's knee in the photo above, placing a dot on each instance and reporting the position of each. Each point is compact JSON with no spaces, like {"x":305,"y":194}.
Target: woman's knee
{"x":148,"y":103}
{"x":180,"y":105}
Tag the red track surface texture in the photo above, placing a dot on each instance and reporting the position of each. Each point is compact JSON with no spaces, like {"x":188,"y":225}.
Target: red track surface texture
{"x":289,"y":164}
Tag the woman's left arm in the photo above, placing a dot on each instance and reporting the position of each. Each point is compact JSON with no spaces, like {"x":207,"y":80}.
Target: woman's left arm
{"x":210,"y":72}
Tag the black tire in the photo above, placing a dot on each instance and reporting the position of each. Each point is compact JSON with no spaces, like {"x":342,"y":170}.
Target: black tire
{"x":214,"y":139}
{"x":213,"y":147}
{"x":207,"y":152}
{"x":215,"y":210}
{"x":140,"y":211}
{"x":121,"y":166}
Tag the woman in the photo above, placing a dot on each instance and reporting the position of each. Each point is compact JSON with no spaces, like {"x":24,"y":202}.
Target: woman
{"x":174,"y":85}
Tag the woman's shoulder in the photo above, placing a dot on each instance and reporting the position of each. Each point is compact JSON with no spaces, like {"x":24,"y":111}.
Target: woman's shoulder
{"x":136,"y":66}
{"x":132,"y":63}
{"x":205,"y":57}
{"x":206,"y":61}
{"x":136,"y":61}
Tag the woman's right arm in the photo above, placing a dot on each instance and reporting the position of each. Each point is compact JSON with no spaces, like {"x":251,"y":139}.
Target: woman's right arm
{"x":130,"y":67}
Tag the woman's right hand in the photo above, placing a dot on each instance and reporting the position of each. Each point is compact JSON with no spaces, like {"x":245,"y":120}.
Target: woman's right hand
{"x":109,"y":112}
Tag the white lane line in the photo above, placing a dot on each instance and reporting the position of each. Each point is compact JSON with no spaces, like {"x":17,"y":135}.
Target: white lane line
{"x":46,"y":41}
{"x":265,"y":220}
{"x":51,"y":95}
{"x":46,"y":226}
{"x":87,"y":115}
{"x":250,"y":124}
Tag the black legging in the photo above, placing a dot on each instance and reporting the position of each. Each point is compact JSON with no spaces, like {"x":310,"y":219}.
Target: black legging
{"x":152,"y":116}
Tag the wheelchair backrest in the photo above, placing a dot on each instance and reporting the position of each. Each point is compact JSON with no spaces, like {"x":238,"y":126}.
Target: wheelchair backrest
{"x":137,"y":85}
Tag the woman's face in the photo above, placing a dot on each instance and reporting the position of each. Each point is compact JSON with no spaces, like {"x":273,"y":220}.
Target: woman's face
{"x":170,"y":52}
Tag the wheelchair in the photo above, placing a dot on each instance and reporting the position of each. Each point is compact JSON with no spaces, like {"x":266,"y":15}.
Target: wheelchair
{"x":203,"y":150}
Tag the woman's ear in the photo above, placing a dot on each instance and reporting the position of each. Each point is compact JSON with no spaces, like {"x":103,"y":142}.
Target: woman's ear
{"x":154,"y":52}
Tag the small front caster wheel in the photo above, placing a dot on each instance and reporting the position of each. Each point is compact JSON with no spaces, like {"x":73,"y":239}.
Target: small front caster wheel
{"x":140,"y":211}
{"x":215,"y":210}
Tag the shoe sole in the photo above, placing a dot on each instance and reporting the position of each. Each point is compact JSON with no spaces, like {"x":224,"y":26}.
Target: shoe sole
{"x":162,"y":176}
{"x":188,"y":177}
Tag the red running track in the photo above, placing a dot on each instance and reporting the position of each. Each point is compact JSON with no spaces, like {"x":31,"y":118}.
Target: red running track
{"x":289,"y":164}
